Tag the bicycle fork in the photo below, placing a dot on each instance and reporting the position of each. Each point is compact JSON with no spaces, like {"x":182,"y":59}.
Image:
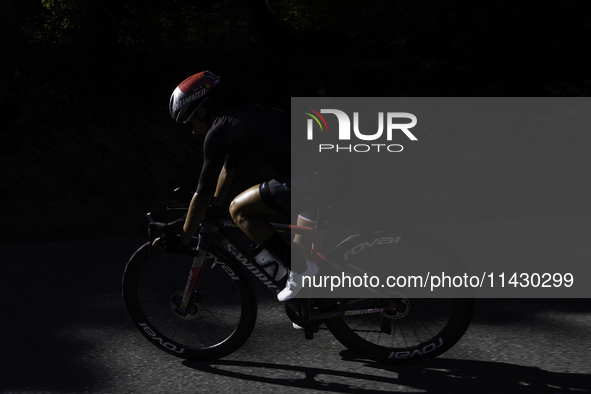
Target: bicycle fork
{"x":195,"y":273}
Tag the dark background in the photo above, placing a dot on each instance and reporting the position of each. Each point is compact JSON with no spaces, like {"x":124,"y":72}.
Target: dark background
{"x":87,"y":147}
{"x":86,"y":142}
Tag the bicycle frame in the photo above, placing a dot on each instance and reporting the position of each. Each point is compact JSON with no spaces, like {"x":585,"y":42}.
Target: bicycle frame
{"x":200,"y":304}
{"x":212,"y":230}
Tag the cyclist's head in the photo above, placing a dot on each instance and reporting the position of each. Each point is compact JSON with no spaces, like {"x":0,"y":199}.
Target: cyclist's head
{"x":192,"y":93}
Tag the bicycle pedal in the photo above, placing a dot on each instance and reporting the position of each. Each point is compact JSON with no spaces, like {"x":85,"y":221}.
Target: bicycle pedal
{"x":310,"y":329}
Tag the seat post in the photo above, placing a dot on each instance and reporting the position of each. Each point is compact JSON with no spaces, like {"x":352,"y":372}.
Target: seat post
{"x":323,"y":215}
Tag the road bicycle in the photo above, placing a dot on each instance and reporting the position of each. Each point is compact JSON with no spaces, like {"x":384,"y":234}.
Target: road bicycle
{"x":200,"y":304}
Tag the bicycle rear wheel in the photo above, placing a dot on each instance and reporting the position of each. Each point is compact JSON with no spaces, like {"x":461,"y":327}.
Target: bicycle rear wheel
{"x":221,"y":312}
{"x":419,"y":328}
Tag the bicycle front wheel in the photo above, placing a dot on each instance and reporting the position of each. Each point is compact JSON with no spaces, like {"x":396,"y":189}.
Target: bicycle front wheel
{"x":221,"y":313}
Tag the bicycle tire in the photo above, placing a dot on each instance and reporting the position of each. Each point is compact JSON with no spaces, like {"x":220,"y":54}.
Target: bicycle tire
{"x":425,"y":329}
{"x":223,"y":310}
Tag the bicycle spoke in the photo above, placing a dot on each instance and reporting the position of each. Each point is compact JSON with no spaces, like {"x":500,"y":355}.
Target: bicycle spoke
{"x":214,"y":320}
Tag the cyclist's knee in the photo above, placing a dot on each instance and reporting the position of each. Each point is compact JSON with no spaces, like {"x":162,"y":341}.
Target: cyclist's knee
{"x":236,"y":211}
{"x":240,"y":210}
{"x":249,"y":204}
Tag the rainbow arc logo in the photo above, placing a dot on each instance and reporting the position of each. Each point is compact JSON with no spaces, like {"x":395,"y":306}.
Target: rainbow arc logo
{"x":314,"y":116}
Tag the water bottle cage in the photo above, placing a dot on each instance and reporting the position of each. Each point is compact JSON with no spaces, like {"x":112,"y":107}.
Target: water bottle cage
{"x":270,"y":264}
{"x":275,"y":269}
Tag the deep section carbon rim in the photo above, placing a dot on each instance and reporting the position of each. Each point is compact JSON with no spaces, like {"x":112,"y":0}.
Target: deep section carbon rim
{"x":220,"y":315}
{"x":419,"y":328}
{"x":422,"y":329}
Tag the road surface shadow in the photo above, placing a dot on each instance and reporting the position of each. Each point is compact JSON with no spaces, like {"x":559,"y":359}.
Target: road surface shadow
{"x":436,"y":376}
{"x":62,"y":305}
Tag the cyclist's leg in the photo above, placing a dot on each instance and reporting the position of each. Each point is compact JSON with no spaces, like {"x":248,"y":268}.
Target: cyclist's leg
{"x":258,"y":200}
{"x":270,"y":197}
{"x":246,"y":209}
{"x":304,"y":243}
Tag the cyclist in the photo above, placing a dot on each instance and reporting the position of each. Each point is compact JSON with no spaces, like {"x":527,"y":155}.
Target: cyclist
{"x":254,"y":131}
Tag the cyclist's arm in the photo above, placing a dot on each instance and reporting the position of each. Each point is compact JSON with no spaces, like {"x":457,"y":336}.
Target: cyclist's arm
{"x":214,"y":155}
{"x":200,"y":202}
{"x":197,"y":210}
{"x":223,"y":186}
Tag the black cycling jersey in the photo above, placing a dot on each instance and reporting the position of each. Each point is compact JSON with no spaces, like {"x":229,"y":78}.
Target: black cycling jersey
{"x":253,"y":131}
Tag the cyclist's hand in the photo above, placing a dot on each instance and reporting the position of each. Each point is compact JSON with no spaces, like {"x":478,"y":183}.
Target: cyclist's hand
{"x":156,"y":229}
{"x":170,"y":243}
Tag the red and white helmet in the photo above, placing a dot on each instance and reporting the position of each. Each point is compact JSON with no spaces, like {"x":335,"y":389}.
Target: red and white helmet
{"x":190,"y":93}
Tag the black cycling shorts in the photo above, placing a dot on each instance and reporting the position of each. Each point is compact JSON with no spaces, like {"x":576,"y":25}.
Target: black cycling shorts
{"x":276,"y":194}
{"x":310,"y":192}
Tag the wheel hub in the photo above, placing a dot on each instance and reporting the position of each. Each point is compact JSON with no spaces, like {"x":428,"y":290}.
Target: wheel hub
{"x":192,"y":310}
{"x":401,"y":310}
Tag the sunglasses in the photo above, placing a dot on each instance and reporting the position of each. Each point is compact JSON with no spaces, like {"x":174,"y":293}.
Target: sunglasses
{"x":186,"y":121}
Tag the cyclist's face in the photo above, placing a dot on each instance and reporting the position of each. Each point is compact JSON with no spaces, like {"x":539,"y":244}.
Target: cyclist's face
{"x":197,"y":127}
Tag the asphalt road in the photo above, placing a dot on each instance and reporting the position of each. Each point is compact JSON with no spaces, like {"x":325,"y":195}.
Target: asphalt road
{"x":65,"y":330}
